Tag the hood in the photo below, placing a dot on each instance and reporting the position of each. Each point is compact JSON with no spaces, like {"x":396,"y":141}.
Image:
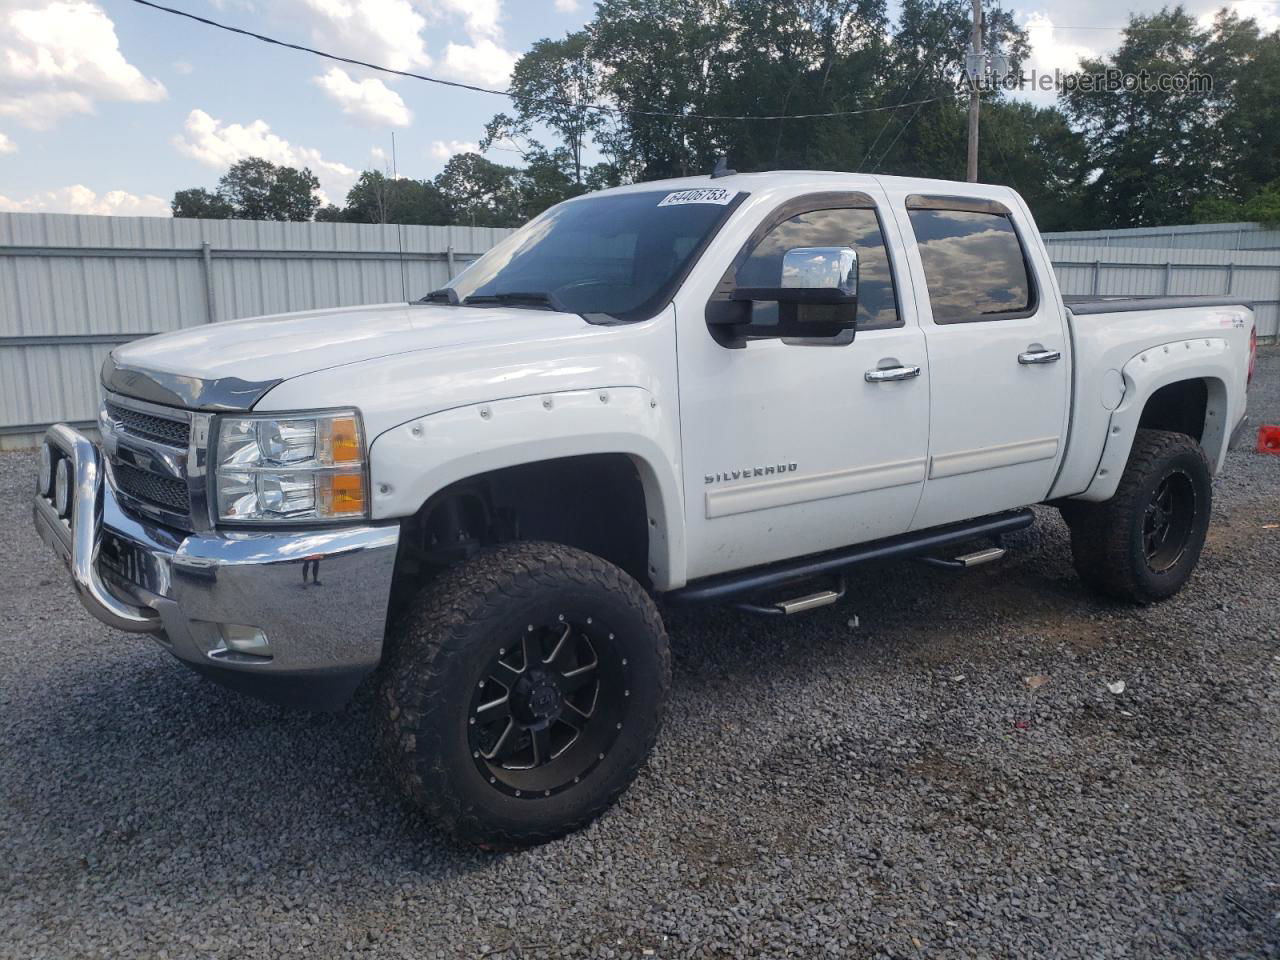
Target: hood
{"x":231,"y":365}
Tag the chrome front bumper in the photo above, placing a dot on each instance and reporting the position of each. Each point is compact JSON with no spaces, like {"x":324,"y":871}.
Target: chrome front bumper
{"x":317,"y":598}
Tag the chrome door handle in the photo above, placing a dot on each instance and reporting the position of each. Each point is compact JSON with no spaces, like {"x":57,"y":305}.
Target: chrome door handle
{"x":892,"y":373}
{"x":1039,"y":356}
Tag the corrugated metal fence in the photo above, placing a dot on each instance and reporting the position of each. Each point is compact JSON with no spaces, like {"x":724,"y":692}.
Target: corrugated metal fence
{"x":71,"y":287}
{"x":1226,"y":259}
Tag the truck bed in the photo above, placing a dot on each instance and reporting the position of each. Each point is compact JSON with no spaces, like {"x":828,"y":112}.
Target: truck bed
{"x":1084,"y":305}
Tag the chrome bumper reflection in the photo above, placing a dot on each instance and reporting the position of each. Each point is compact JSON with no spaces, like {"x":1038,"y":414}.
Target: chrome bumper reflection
{"x":320,"y":596}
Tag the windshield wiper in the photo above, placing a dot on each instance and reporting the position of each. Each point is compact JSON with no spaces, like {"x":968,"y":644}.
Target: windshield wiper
{"x":515,"y":297}
{"x":443,"y":295}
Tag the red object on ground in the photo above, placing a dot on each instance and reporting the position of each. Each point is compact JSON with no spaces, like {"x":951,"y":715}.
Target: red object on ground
{"x":1269,"y":439}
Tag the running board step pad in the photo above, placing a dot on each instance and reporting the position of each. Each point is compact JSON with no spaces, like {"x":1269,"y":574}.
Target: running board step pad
{"x":979,"y":557}
{"x":823,"y":598}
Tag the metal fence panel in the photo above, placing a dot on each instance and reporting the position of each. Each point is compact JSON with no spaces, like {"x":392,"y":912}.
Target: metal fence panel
{"x":72,"y":286}
{"x":1096,"y":268}
{"x":1198,"y":236}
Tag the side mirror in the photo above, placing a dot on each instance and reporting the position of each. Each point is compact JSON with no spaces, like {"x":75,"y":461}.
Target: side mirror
{"x":817,"y":297}
{"x":827,"y":275}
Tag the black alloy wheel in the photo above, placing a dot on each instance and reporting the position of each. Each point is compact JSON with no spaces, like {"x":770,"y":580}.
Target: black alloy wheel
{"x":522,"y":693}
{"x":550,"y":707}
{"x":1168,"y":521}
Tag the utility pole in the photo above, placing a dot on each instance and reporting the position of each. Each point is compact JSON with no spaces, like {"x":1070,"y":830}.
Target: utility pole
{"x":974,"y":77}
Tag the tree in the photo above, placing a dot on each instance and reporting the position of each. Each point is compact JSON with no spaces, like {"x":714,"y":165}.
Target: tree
{"x":479,"y":192}
{"x":1033,"y":150}
{"x":199,"y":203}
{"x":1156,"y":154}
{"x":550,"y":84}
{"x":377,"y":198}
{"x":260,"y":190}
{"x":1262,"y":207}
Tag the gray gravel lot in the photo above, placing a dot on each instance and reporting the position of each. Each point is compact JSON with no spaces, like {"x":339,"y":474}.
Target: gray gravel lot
{"x":895,"y":789}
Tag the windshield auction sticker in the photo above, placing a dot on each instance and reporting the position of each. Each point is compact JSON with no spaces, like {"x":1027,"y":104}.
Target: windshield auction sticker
{"x":716,"y":195}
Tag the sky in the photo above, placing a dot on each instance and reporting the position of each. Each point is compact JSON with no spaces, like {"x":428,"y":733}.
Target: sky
{"x":109,"y":107}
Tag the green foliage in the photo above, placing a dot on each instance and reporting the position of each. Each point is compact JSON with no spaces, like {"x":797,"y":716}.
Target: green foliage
{"x":377,"y":198}
{"x":1123,"y":158}
{"x":200,"y":203}
{"x":1262,"y":207}
{"x":551,"y":82}
{"x":253,"y":189}
{"x":260,"y":190}
{"x":1167,"y":157}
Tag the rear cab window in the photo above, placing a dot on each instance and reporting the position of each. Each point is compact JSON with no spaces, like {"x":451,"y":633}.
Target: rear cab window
{"x":975,"y":263}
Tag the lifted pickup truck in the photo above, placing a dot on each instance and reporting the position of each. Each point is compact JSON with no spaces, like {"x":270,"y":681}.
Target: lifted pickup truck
{"x":729,"y":389}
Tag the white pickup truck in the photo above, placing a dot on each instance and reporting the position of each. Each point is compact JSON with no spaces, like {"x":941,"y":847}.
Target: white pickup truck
{"x":729,"y":389}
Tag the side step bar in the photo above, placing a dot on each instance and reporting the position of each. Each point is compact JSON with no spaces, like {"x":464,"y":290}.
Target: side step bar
{"x":727,"y":585}
{"x":967,"y":560}
{"x":812,"y":601}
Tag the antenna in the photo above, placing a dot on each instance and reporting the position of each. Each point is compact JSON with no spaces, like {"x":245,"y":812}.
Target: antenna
{"x":722,"y":169}
{"x":395,"y":179}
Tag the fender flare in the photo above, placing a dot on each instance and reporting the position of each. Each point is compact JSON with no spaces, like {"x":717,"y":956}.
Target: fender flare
{"x":411,"y":462}
{"x":1205,"y":358}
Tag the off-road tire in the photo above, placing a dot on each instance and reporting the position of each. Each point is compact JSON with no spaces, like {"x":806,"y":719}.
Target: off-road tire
{"x":440,"y":649}
{"x":1108,"y":544}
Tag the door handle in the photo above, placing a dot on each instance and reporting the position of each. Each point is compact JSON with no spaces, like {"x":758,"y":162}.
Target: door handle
{"x":892,"y":373}
{"x":1039,"y":356}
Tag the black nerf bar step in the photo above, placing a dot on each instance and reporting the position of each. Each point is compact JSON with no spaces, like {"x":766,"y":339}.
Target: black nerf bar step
{"x":729,"y":585}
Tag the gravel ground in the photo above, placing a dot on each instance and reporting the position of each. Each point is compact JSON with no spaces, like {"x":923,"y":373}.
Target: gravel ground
{"x":892,"y":789}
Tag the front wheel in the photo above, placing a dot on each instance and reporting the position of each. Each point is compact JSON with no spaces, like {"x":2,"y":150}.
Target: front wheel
{"x":523,"y":693}
{"x":1144,"y":543}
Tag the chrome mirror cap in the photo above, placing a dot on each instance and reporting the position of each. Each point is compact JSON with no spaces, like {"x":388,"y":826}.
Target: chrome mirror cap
{"x":821,"y":268}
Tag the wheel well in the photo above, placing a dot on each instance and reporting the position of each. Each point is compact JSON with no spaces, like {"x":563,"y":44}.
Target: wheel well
{"x":1180,"y":407}
{"x":594,"y":502}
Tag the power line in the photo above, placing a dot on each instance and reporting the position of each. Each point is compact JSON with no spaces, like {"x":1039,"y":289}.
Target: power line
{"x":896,"y":138}
{"x":905,"y":93}
{"x":557,"y":101}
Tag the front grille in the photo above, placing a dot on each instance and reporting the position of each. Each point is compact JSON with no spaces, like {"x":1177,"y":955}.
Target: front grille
{"x":151,"y":488}
{"x":174,"y":433}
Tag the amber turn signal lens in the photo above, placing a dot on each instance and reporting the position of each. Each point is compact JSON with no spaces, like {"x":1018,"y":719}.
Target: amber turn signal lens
{"x":344,"y":493}
{"x":344,"y":440}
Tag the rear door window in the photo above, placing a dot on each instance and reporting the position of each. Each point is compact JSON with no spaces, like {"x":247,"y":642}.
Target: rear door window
{"x":974,"y":264}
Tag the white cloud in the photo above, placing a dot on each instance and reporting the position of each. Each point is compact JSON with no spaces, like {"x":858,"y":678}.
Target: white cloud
{"x":7,"y":145}
{"x":219,"y":145}
{"x":1049,"y":52}
{"x":482,"y":62}
{"x":385,"y":32}
{"x":567,"y":6}
{"x":481,"y":17}
{"x":1268,"y":20}
{"x":183,"y":68}
{"x":442,"y":150}
{"x":370,"y":100}
{"x":58,"y":58}
{"x":80,"y":199}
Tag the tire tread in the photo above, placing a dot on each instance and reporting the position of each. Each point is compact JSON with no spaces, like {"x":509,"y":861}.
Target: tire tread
{"x":440,"y":622}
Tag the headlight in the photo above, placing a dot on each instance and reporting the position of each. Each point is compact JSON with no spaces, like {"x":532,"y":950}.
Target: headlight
{"x":307,"y":466}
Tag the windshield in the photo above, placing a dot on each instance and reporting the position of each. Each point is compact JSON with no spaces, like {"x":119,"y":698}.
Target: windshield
{"x":619,"y":254}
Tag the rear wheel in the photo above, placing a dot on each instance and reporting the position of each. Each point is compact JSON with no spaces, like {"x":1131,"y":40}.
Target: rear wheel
{"x":1144,"y":543}
{"x":524,"y":691}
